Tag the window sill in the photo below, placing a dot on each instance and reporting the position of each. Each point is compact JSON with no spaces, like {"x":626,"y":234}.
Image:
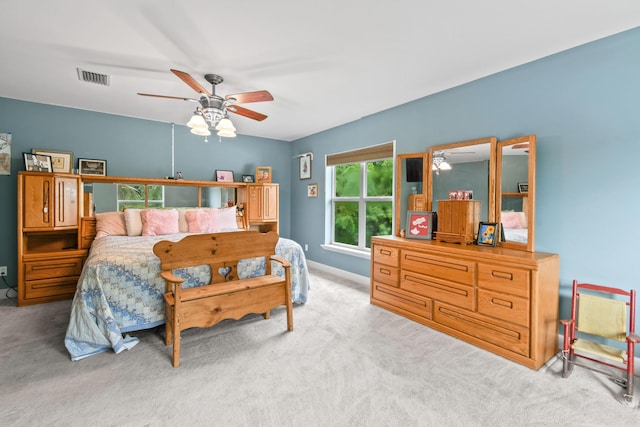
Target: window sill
{"x":347,"y":251}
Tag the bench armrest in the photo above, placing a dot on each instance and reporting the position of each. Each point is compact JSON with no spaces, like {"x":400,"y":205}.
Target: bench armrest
{"x":282,"y":261}
{"x":169,"y":277}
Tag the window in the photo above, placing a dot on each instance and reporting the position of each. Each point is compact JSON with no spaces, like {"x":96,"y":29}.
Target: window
{"x":133,"y":196}
{"x":361,"y":196}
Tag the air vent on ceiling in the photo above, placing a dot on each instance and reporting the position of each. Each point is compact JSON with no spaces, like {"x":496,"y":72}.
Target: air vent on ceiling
{"x":91,"y":77}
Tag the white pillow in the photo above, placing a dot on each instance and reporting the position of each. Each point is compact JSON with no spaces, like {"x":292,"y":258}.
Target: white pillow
{"x":227,"y":219}
{"x":133,"y":221}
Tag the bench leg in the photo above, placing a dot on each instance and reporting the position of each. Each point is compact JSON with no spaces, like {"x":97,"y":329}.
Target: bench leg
{"x":289,"y":315}
{"x":176,"y":348}
{"x":168,"y":325}
{"x":267,"y":314}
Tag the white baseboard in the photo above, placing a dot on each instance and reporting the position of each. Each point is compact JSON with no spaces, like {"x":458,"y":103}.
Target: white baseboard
{"x":364,"y":280}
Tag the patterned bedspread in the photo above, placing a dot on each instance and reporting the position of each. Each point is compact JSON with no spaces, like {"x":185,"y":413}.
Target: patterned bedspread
{"x":120,"y":290}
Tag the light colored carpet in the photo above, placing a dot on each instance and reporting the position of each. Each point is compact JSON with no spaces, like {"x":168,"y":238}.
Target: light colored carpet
{"x":347,"y":363}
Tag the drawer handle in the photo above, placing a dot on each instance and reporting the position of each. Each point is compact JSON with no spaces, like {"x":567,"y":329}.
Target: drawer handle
{"x":502,"y":275}
{"x":385,"y":252}
{"x":385,"y":271}
{"x":501,"y":302}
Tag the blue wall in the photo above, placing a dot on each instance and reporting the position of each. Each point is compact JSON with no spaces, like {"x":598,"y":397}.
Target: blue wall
{"x":131,"y":147}
{"x":584,"y":106}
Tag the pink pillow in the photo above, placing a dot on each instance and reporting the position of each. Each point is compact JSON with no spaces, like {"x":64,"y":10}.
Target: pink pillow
{"x":511,"y":219}
{"x":156,"y":222}
{"x":110,"y":224}
{"x":202,"y":220}
{"x":227,"y":219}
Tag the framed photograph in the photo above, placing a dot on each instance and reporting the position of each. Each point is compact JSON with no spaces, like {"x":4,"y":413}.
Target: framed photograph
{"x":305,"y":166}
{"x":92,"y":167}
{"x":37,"y":162}
{"x":263,"y":174}
{"x":224,"y":176}
{"x":5,"y":153}
{"x":248,"y":178}
{"x":312,"y":190}
{"x":523,"y":187}
{"x":488,"y":233}
{"x":420,"y":225}
{"x":61,"y":161}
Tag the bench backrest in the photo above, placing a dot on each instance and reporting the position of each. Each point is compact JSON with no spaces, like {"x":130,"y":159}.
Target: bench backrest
{"x":218,"y":250}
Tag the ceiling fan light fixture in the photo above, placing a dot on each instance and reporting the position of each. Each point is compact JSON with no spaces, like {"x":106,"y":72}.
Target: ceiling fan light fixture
{"x":201,"y":131}
{"x":445,"y":166}
{"x":197,"y":122}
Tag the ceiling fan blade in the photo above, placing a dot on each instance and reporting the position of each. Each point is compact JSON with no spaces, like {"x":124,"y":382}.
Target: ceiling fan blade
{"x":169,"y":97}
{"x":246,"y":112}
{"x":257,"y":96}
{"x":185,"y":77}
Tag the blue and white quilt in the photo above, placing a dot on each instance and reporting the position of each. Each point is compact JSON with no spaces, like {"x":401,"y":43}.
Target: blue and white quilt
{"x":120,"y":290}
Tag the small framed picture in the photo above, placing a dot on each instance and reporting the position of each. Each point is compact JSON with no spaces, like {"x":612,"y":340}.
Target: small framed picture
{"x":305,"y":166}
{"x":488,"y":233}
{"x":420,"y":225}
{"x":224,"y":176}
{"x":248,"y":178}
{"x":523,"y":187}
{"x":61,"y":161}
{"x":263,"y":174}
{"x":37,"y":162}
{"x":312,"y":190}
{"x":92,"y":167}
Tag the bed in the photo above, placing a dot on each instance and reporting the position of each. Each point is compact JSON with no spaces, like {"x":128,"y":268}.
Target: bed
{"x":120,"y":290}
{"x":514,"y":225}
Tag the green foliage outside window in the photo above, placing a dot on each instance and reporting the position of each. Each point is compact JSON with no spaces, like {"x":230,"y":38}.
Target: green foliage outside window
{"x":132,"y":196}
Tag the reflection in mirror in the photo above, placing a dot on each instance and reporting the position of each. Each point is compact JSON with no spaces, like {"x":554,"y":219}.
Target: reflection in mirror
{"x":471,"y":168}
{"x":516,"y":192}
{"x":410,"y":186}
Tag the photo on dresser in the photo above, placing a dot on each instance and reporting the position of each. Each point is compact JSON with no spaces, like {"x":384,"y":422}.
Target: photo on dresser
{"x":487,"y":234}
{"x":420,"y":225}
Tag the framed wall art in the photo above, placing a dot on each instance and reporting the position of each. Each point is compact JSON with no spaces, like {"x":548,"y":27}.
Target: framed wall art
{"x":420,"y":225}
{"x":488,"y":234}
{"x":61,"y":161}
{"x":305,"y":166}
{"x":37,"y":162}
{"x":263,"y":174}
{"x":224,"y":176}
{"x":92,"y":167}
{"x":5,"y":153}
{"x":312,"y":190}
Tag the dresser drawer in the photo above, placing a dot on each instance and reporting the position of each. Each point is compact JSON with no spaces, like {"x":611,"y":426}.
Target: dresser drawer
{"x":437,"y":289}
{"x":450,"y":269}
{"x":509,"y":280}
{"x":385,"y":255}
{"x":51,"y":287}
{"x":503,"y":306}
{"x":386,"y":274}
{"x":401,"y":299}
{"x":508,"y":336}
{"x":51,"y":268}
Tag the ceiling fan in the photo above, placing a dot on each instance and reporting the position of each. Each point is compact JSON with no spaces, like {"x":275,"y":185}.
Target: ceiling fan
{"x":212,"y":113}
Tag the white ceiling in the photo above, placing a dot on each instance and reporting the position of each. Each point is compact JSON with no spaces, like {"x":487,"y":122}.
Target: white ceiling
{"x":326,"y":62}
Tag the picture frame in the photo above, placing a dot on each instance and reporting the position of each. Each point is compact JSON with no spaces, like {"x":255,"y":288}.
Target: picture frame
{"x":523,"y":187}
{"x":248,"y":178}
{"x":5,"y":153}
{"x":37,"y":162}
{"x":420,"y":225}
{"x":488,"y":233}
{"x":312,"y":190}
{"x":263,"y":174}
{"x":61,"y":161}
{"x":224,"y":176}
{"x":305,"y":166}
{"x":92,"y":167}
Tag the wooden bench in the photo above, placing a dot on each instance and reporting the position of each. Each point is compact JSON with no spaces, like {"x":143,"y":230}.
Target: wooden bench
{"x":226,"y":296}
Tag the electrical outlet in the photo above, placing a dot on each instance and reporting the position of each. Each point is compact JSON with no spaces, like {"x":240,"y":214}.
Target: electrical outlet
{"x":306,"y":247}
{"x":3,"y":270}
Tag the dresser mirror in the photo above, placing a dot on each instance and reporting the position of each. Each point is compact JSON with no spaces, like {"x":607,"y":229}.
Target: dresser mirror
{"x":515,"y":196}
{"x":468,"y":166}
{"x":411,"y":171}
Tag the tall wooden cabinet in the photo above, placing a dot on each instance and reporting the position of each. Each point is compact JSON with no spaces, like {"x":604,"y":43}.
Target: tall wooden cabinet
{"x":50,"y":256}
{"x":263,"y":206}
{"x":502,"y":300}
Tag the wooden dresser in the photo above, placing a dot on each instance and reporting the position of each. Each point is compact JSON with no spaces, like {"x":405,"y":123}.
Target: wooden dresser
{"x":502,"y":300}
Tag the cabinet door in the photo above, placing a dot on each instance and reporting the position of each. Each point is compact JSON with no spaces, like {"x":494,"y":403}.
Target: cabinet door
{"x":66,"y":202}
{"x":270,"y":202}
{"x":37,"y":199}
{"x":255,"y":203}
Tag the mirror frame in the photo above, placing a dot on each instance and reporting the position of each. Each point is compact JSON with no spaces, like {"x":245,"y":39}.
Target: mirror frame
{"x":492,"y":170}
{"x":531,"y":191}
{"x":400,"y":158}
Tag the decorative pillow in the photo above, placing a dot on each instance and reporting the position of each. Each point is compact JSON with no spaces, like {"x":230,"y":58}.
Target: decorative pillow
{"x":202,"y":220}
{"x":133,"y":221}
{"x":110,"y":224}
{"x":156,"y":222}
{"x":183,"y":225}
{"x":511,"y":219}
{"x":227,"y":219}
